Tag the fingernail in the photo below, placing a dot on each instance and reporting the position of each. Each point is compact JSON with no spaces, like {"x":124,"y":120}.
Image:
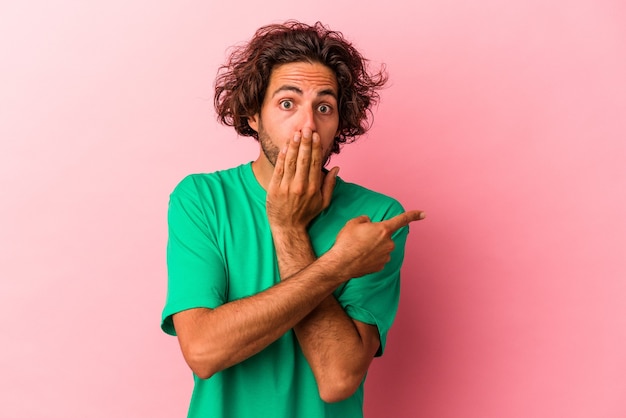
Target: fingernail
{"x":422,"y":215}
{"x":296,"y":137}
{"x":306,"y":132}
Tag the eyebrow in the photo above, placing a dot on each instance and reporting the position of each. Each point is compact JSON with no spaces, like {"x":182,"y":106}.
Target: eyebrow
{"x":297,"y":90}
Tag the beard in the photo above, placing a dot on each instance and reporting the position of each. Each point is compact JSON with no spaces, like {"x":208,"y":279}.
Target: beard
{"x":271,"y":151}
{"x":269,"y":148}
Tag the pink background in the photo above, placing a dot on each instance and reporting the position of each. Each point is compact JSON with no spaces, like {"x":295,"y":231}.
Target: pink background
{"x":504,"y":121}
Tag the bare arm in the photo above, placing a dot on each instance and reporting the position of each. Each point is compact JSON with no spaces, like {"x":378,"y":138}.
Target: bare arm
{"x":338,"y":348}
{"x":212,"y":340}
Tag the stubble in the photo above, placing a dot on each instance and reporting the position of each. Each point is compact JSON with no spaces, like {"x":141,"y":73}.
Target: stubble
{"x":271,"y":151}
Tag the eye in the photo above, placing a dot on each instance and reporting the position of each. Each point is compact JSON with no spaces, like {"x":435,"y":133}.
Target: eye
{"x":325,"y":109}
{"x":286,"y":104}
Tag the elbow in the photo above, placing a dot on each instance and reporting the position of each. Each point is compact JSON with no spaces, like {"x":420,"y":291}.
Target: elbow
{"x":201,"y":363}
{"x":201,"y":372}
{"x":202,"y":369}
{"x":339,"y":388}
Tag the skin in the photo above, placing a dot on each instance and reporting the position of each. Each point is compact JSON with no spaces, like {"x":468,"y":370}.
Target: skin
{"x":300,"y":104}
{"x":296,"y":126}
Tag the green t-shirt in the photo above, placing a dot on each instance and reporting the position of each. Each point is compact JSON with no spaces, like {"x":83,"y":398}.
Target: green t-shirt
{"x":220,"y":249}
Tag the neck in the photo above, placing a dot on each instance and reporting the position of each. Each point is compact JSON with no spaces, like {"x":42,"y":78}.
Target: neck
{"x":262,"y":170}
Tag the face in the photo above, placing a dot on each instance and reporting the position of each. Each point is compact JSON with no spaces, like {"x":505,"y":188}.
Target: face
{"x":299,"y":96}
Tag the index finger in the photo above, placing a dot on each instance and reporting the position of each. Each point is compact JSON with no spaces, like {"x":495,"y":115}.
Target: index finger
{"x":315,"y":172}
{"x":403,"y":219}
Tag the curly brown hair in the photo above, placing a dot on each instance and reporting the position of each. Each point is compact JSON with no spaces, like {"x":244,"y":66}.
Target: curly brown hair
{"x":241,"y":83}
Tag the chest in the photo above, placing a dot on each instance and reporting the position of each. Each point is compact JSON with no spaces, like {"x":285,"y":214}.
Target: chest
{"x":248,"y":248}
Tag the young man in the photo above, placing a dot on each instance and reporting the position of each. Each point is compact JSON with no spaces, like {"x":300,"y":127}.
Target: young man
{"x":284,"y":279}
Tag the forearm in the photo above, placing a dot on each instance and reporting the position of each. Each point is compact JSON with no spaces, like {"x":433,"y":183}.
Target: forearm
{"x":329,"y":338}
{"x":212,"y":340}
{"x":338,"y":349}
{"x":338,"y":352}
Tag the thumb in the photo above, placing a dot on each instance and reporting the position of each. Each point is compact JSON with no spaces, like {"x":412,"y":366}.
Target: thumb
{"x":328,"y":186}
{"x":360,"y":219}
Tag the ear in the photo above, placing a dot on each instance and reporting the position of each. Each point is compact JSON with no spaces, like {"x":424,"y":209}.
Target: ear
{"x":253,"y":121}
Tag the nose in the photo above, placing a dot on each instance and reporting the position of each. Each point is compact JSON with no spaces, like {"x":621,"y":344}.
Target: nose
{"x":308,"y":119}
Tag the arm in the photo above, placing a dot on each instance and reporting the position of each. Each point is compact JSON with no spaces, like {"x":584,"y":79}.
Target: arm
{"x":338,"y":348}
{"x":212,"y":340}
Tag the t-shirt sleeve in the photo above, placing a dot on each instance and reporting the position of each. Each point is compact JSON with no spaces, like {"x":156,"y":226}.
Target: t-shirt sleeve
{"x":373,"y":299}
{"x":195,"y":266}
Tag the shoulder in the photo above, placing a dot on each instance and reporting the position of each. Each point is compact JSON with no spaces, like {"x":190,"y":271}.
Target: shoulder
{"x":374,"y":204}
{"x":202,"y":184}
{"x":358,"y":191}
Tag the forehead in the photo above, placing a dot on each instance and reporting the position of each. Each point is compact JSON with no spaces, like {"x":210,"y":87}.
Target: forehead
{"x":305,"y":75}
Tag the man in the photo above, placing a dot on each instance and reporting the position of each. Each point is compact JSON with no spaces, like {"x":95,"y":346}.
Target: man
{"x":283,"y":278}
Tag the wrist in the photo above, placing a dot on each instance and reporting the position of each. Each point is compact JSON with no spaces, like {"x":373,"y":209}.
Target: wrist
{"x":293,"y":249}
{"x":289,"y":232}
{"x":333,"y":264}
